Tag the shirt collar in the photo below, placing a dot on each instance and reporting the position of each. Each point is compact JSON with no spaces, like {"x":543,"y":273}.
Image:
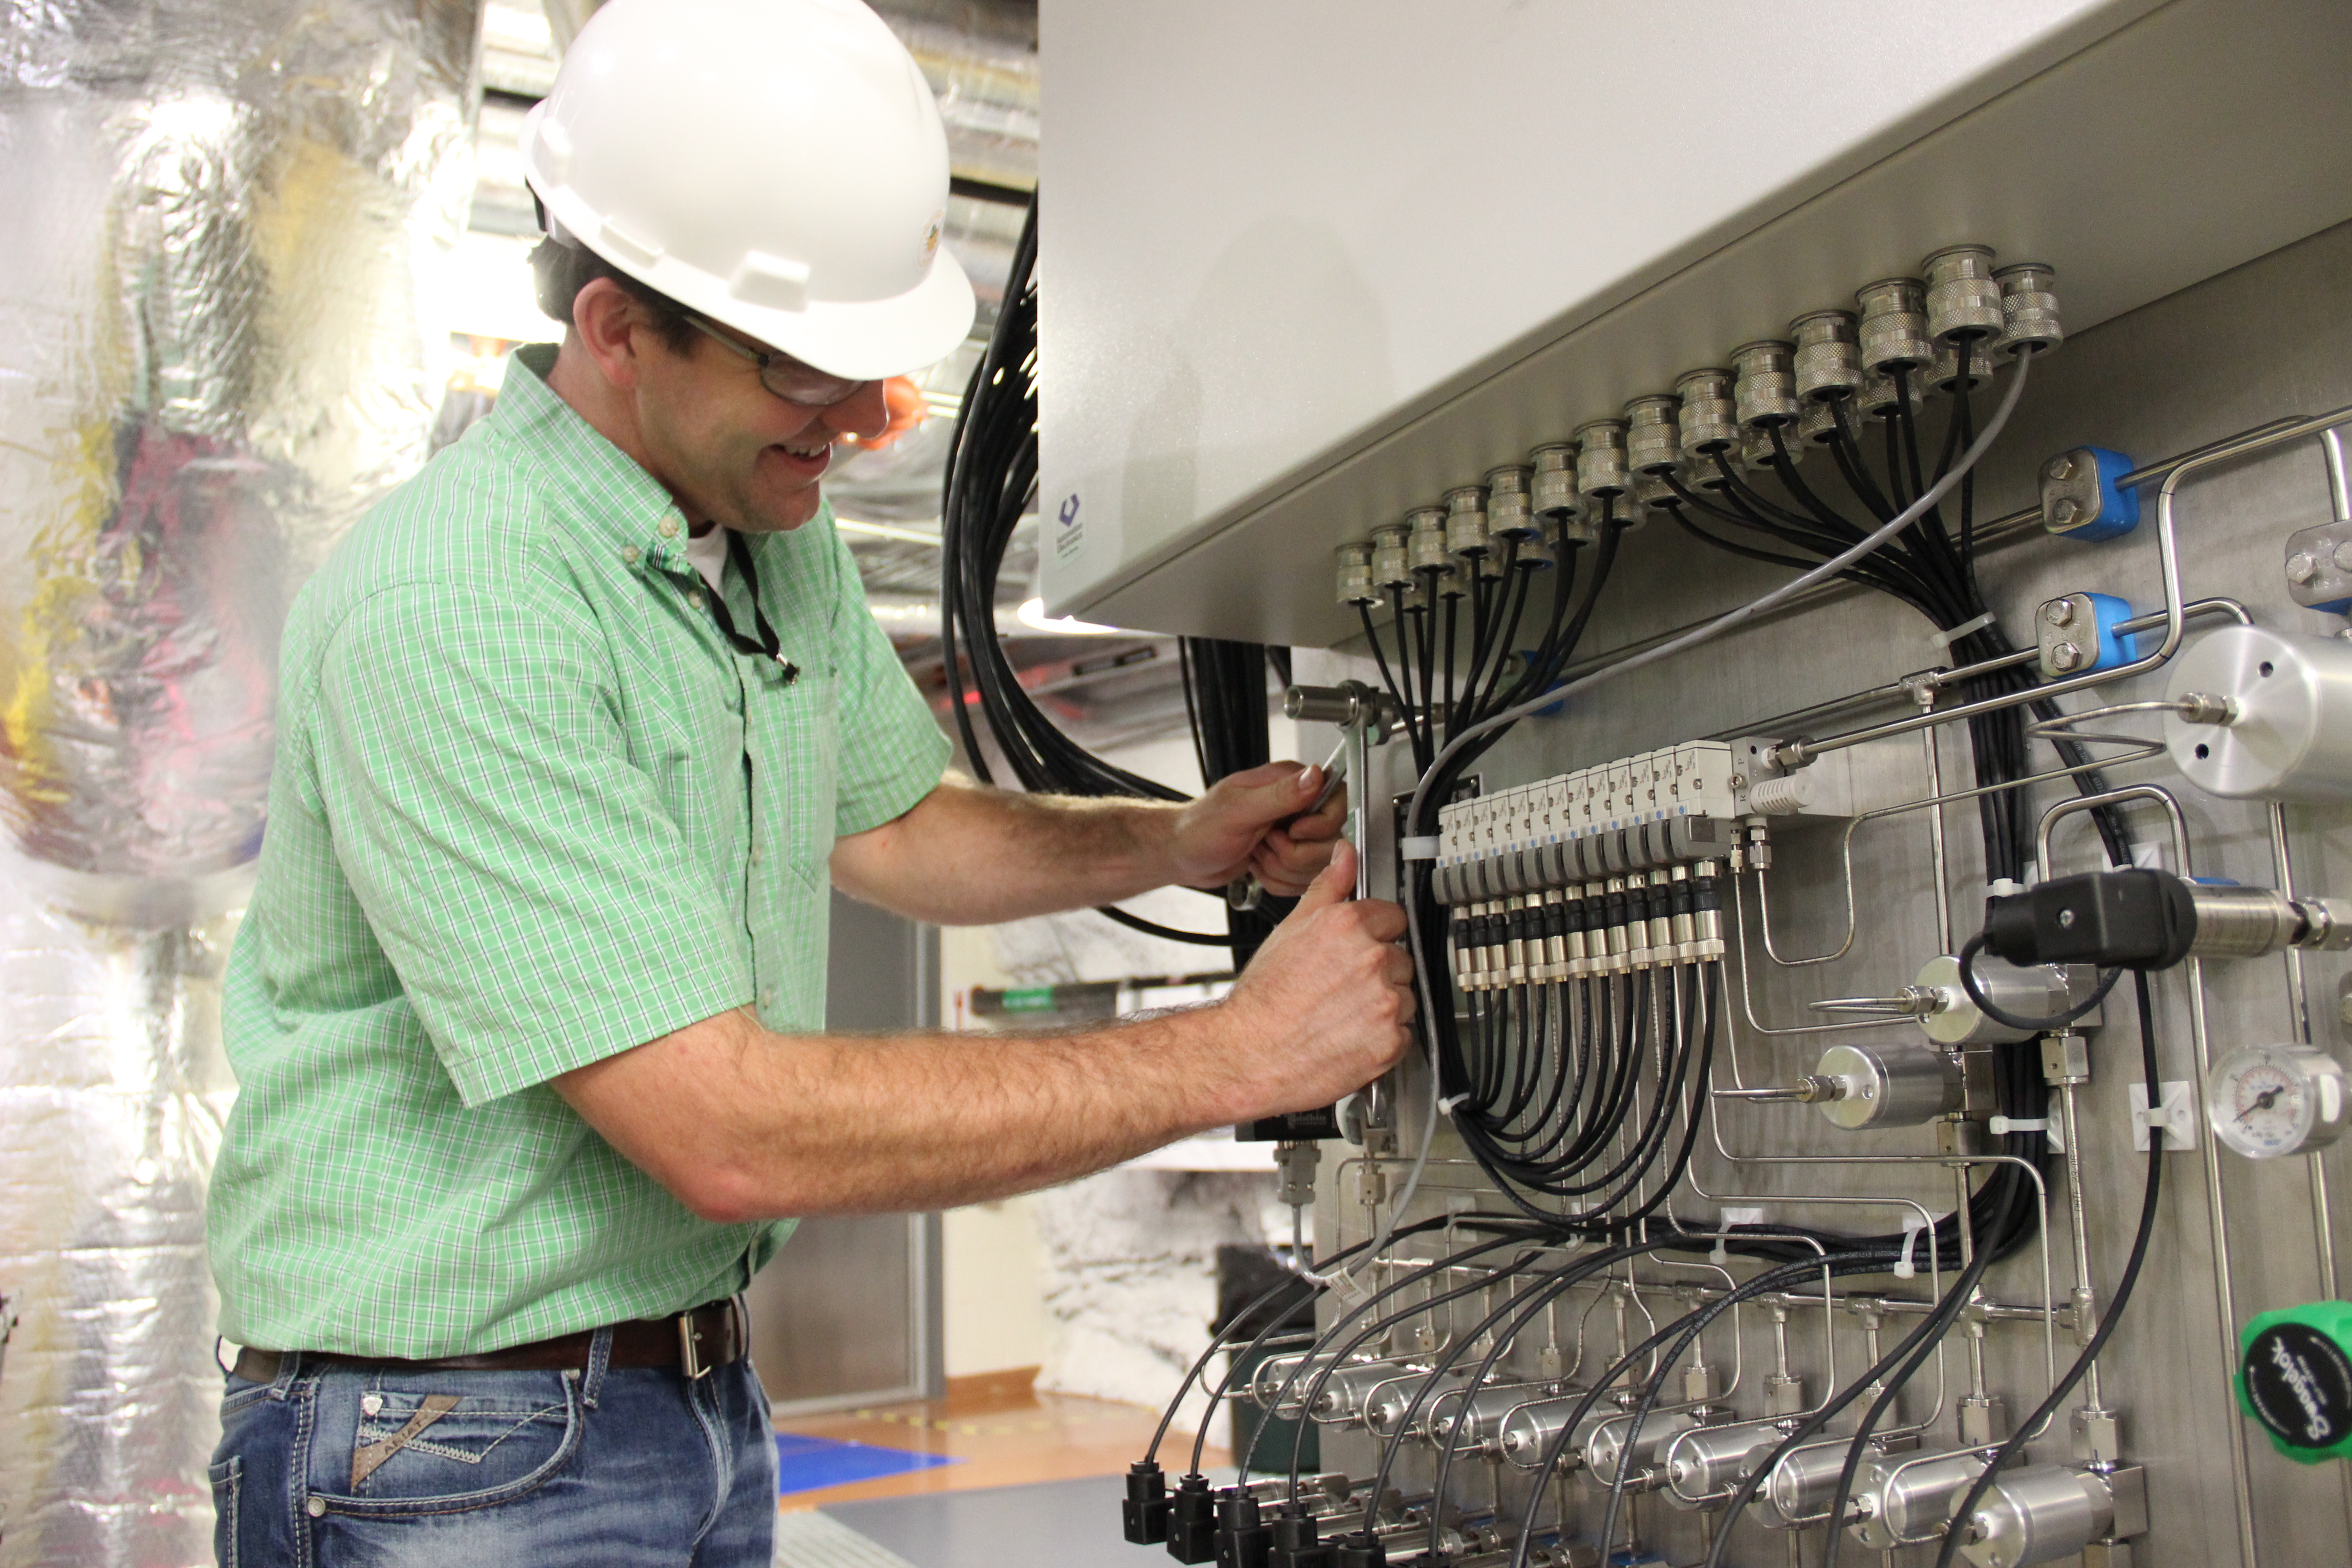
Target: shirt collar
{"x":613,"y":504}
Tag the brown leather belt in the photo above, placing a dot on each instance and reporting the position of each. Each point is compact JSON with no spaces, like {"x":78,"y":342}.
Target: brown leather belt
{"x":710,"y":1335}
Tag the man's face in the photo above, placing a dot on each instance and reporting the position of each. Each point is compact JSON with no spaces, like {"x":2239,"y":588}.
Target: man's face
{"x":730,"y":450}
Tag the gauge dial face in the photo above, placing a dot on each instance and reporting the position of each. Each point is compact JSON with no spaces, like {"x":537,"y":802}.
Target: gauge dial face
{"x":2265,"y":1101}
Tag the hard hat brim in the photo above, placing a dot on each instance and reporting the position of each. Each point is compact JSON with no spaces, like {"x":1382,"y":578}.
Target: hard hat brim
{"x":866,"y":340}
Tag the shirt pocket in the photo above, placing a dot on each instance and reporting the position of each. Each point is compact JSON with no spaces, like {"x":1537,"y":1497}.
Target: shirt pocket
{"x":792,"y":736}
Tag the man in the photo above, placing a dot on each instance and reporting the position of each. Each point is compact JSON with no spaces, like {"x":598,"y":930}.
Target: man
{"x":575,"y":729}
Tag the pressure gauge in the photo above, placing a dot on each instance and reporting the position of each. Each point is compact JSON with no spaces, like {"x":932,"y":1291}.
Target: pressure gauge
{"x":2269,"y":1100}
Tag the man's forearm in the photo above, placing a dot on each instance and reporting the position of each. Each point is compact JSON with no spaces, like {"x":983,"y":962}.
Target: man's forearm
{"x":974,"y":855}
{"x":754,"y":1125}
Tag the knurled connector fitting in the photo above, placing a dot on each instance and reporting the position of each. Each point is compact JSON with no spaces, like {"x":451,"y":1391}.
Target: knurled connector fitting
{"x":1877,"y":398}
{"x":1465,"y":521}
{"x":1816,"y":426}
{"x":1829,"y":355}
{"x":1425,"y":548}
{"x":1355,"y":575}
{"x":1653,"y":439}
{"x":1945,"y":375}
{"x":1552,"y":485}
{"x":1601,"y":470}
{"x":1963,"y":299}
{"x":1710,"y":419}
{"x":1510,"y":513}
{"x":1893,"y":324}
{"x":1391,"y":568}
{"x":1651,"y":493}
{"x":1758,"y":453}
{"x":1764,"y":389}
{"x":2028,"y":304}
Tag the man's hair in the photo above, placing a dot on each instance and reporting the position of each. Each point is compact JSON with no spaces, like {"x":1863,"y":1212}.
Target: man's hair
{"x":565,"y":269}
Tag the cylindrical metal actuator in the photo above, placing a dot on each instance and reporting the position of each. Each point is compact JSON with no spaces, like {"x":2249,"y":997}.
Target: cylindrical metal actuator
{"x":2288,"y":732}
{"x":1342,"y":1395}
{"x":2038,"y":1514}
{"x":1799,"y":1490}
{"x":1710,"y":419}
{"x":1908,"y":1497}
{"x":1704,"y":1464}
{"x":1530,"y":1431}
{"x":1891,"y":1085}
{"x":1963,"y":299}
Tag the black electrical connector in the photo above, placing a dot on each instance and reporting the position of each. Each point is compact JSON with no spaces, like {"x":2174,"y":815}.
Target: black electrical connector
{"x":1145,"y":1512}
{"x":1243,"y":1539}
{"x":1193,"y":1520}
{"x":1297,"y":1542}
{"x":1360,"y":1550}
{"x":2134,"y":919}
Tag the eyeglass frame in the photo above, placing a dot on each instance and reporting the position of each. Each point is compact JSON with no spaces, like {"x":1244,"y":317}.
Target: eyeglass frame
{"x":775,"y":358}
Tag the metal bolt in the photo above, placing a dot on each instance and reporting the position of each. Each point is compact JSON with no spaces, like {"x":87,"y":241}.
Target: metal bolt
{"x":2059,"y":612}
{"x":2066,"y":656}
{"x":2301,"y":567}
{"x":2065,"y":511}
{"x":2067,"y":918}
{"x":2344,"y":557}
{"x":2061,"y":467}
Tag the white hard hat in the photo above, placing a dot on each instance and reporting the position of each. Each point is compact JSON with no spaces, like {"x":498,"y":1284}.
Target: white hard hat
{"x":777,"y":165}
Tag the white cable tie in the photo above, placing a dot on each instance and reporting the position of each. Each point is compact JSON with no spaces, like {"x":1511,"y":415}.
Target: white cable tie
{"x":1911,"y":1229}
{"x":2003,"y":1125}
{"x":1445,"y":1107}
{"x":1418,"y":848}
{"x":1942,"y":641}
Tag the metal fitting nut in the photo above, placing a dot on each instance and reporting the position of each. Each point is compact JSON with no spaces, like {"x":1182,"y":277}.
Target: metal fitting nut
{"x":1765,"y":390}
{"x":1355,"y":575}
{"x":1465,"y":520}
{"x":1894,"y":323}
{"x":1552,"y":487}
{"x":1601,"y":468}
{"x":1877,"y":398}
{"x":1652,"y":438}
{"x":1424,"y":545}
{"x":2302,"y":567}
{"x":1390,"y":567}
{"x":1829,"y":354}
{"x":1945,"y":376}
{"x":1710,"y":420}
{"x":1509,"y":514}
{"x":2028,"y":304}
{"x":1817,"y":426}
{"x":1963,"y":299}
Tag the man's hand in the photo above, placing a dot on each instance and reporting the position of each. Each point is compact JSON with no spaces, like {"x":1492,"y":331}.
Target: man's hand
{"x":1325,"y":1005}
{"x":1251,"y":821}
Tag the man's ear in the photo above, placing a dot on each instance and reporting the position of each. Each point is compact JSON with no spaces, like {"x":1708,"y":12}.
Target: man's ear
{"x":605,"y":317}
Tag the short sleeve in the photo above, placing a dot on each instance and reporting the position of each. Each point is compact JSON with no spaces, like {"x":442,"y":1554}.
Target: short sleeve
{"x":893,"y":753}
{"x":517,"y":867}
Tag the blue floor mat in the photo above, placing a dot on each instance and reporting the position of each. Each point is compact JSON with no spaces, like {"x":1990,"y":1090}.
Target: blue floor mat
{"x":809,"y":1464}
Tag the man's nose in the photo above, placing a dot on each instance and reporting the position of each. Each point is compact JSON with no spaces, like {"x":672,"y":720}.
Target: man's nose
{"x":864,"y":414}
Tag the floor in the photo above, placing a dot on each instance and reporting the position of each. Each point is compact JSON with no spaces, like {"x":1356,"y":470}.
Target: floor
{"x":1001,"y":1431}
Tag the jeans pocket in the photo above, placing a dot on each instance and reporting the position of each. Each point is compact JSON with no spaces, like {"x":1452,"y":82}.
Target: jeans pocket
{"x":441,"y":1442}
{"x":225,"y":1478}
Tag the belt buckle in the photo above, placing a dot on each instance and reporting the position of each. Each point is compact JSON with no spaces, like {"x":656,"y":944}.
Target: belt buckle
{"x":690,"y":1350}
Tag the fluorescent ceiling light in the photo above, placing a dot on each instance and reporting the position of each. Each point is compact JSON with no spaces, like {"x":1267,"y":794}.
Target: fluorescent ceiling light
{"x":1033,"y":615}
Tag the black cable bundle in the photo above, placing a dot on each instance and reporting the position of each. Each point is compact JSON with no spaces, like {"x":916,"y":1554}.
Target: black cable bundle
{"x":1224,"y":696}
{"x":991,"y":483}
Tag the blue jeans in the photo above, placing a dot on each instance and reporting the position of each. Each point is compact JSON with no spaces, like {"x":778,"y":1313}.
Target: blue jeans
{"x":592,"y":1467}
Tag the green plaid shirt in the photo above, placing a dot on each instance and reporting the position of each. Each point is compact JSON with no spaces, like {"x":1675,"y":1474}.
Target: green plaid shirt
{"x":530,"y":809}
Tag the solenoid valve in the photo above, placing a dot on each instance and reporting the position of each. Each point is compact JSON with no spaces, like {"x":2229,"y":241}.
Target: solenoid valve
{"x":2042,"y":1512}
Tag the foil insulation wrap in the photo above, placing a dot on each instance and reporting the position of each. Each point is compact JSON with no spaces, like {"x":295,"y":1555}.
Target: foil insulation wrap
{"x":215,"y":354}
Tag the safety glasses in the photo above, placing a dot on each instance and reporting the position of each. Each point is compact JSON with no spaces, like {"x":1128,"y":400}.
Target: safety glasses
{"x":801,"y":386}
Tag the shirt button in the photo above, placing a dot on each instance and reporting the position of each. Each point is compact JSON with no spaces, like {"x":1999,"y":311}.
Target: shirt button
{"x":767,"y":996}
{"x":756,"y":853}
{"x":669,"y":528}
{"x":695,"y":598}
{"x":316,"y":1508}
{"x":371,"y":1404}
{"x":629,"y":554}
